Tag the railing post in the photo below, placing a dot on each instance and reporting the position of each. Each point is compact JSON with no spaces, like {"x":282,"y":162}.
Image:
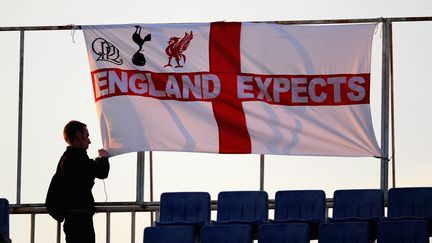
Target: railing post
{"x":140,"y":178}
{"x":133,"y":226}
{"x":152,"y":218}
{"x":108,"y":227}
{"x":20,"y":116}
{"x":392,"y":113}
{"x":261,"y":172}
{"x":32,"y":227}
{"x":58,"y":232}
{"x":385,"y":104}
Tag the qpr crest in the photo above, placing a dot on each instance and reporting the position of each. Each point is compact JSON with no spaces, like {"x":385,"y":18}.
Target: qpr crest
{"x":106,"y":51}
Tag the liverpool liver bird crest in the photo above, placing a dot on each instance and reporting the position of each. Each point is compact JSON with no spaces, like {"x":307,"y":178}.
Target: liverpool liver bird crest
{"x":176,"y":47}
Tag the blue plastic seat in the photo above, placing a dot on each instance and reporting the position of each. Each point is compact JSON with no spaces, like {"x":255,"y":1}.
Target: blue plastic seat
{"x":229,"y":233}
{"x":344,"y":232}
{"x":184,"y":208}
{"x":403,"y":231}
{"x":169,"y":234}
{"x":359,"y":205}
{"x":301,"y":206}
{"x":242,"y":207}
{"x":283,"y":233}
{"x":413,"y":203}
{"x":4,"y":218}
{"x":249,"y":207}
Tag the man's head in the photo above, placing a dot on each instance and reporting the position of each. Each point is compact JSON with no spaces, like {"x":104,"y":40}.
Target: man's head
{"x":76,"y":134}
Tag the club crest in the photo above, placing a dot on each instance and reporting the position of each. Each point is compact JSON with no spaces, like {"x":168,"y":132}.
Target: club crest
{"x":106,"y":51}
{"x":138,"y":58}
{"x":176,"y":47}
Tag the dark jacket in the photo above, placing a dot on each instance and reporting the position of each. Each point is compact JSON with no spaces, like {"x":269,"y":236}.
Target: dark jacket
{"x":79,"y":172}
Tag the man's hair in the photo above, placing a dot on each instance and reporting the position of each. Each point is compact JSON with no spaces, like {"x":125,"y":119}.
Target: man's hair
{"x":71,"y":129}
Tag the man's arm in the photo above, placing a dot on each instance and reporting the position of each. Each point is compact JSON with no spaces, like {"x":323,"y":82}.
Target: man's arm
{"x":102,"y":165}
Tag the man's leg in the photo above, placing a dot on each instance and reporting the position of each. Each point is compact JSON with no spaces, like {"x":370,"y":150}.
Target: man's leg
{"x":78,"y":228}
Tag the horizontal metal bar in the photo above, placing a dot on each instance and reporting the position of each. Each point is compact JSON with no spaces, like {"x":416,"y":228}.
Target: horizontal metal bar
{"x":324,"y":21}
{"x":410,"y":19}
{"x":122,"y":207}
{"x":38,"y":28}
{"x":39,"y":208}
{"x":328,"y":21}
{"x":353,"y":21}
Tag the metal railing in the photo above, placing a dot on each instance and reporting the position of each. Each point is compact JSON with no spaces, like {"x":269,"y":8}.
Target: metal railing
{"x":152,"y":207}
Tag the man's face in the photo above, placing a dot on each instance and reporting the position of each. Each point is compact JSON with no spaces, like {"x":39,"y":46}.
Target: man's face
{"x":83,"y":139}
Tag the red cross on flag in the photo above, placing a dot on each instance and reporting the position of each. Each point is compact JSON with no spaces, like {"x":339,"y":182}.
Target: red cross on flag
{"x":229,"y":87}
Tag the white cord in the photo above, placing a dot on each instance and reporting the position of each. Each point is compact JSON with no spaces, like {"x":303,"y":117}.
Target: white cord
{"x":74,"y":28}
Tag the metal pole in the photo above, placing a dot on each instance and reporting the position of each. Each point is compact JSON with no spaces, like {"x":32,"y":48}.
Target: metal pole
{"x":133,"y":223}
{"x":140,"y":177}
{"x":58,"y":232}
{"x":393,"y":154}
{"x":327,"y":21}
{"x":151,"y":185}
{"x":385,"y":105}
{"x":261,"y":172}
{"x":20,"y":116}
{"x":32,"y":227}
{"x":108,"y":227}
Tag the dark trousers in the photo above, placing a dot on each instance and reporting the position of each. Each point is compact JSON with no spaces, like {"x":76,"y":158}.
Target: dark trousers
{"x":4,"y":238}
{"x":78,"y":227}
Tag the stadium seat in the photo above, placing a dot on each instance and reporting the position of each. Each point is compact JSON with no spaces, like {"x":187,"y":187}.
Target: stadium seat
{"x":301,"y":206}
{"x":184,"y":208}
{"x":229,"y":233}
{"x":413,"y":203}
{"x":242,"y":207}
{"x":283,"y":233}
{"x":169,"y":234}
{"x":4,"y":219}
{"x":344,"y":232}
{"x":359,"y":205}
{"x":403,"y":231}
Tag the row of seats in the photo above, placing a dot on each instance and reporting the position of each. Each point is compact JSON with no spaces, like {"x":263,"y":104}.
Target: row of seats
{"x":305,"y":206}
{"x":296,"y":204}
{"x":404,"y":231}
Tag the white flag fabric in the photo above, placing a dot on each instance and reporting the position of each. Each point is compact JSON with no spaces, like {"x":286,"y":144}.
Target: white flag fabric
{"x":229,"y":87}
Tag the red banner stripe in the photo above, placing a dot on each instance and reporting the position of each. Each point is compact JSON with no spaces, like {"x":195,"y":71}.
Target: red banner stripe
{"x":224,"y":55}
{"x":289,"y":90}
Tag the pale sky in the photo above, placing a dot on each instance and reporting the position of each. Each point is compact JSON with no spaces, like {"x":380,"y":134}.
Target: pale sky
{"x":57,"y":88}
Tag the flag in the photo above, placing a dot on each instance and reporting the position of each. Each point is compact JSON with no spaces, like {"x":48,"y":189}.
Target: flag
{"x":230,"y":87}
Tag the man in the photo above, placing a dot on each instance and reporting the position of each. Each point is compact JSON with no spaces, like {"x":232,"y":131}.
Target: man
{"x":79,"y":172}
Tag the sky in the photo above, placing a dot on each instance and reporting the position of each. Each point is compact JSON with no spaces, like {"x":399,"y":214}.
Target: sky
{"x":57,"y":88}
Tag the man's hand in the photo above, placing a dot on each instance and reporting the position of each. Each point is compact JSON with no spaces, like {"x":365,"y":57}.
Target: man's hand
{"x":103,"y":153}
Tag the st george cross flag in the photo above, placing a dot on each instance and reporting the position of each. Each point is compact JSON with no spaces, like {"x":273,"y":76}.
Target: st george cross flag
{"x":229,"y":87}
